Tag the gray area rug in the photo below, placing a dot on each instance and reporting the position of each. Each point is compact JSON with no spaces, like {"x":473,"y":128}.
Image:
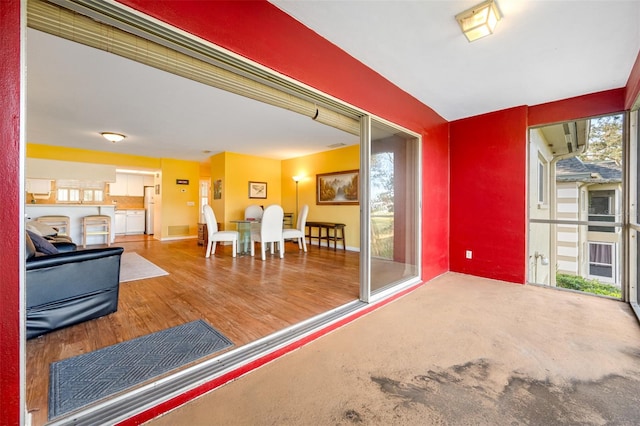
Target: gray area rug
{"x":84,"y":379}
{"x":135,"y":267}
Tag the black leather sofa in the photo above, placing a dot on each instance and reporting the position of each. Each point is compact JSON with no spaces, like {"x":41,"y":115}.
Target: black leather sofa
{"x":69,"y":287}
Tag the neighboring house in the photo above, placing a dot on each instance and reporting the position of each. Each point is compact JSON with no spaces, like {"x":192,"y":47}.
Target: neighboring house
{"x":588,"y":192}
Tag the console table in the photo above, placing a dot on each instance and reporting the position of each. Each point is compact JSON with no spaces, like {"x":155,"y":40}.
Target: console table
{"x":328,"y":231}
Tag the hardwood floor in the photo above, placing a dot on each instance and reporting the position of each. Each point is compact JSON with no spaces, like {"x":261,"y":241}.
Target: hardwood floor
{"x":243,"y":297}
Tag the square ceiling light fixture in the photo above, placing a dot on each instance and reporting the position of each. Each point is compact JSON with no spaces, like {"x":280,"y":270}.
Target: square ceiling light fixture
{"x":480,"y":20}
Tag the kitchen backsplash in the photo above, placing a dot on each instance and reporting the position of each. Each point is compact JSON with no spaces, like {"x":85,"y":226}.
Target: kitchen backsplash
{"x":126,"y":202}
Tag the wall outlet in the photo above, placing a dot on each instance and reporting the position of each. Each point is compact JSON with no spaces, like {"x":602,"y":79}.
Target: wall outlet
{"x":469,"y":254}
{"x":191,"y":203}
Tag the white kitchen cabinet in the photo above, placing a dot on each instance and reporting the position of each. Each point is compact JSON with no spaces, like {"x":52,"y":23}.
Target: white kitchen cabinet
{"x":148,"y":180}
{"x":135,"y":221}
{"x":39,"y":187}
{"x":135,"y":186}
{"x":119,"y":187}
{"x":127,"y":185}
{"x":121,"y":222}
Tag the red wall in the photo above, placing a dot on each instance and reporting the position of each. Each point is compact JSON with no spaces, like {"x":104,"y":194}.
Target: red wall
{"x":590,"y":105}
{"x":488,"y":195}
{"x":632,"y":91}
{"x":435,"y":206}
{"x":10,"y":212}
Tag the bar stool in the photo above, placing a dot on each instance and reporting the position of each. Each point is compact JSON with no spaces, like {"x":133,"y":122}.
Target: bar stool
{"x":61,"y":223}
{"x":100,"y":224}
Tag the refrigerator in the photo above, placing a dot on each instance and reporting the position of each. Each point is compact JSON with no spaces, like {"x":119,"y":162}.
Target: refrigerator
{"x":149,"y":193}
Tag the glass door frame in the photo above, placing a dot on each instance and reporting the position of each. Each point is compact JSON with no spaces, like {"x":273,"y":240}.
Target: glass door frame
{"x":632,"y":162}
{"x":366,"y":294}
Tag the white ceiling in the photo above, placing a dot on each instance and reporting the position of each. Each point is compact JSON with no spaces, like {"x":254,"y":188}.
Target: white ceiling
{"x":74,"y":92}
{"x":543,"y":50}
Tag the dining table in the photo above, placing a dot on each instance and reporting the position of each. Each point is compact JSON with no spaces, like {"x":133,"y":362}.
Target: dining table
{"x":244,"y":227}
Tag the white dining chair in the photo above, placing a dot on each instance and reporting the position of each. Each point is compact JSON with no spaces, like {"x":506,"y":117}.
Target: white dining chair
{"x":299,"y":232}
{"x":270,"y":231}
{"x":215,"y":236}
{"x":253,"y":212}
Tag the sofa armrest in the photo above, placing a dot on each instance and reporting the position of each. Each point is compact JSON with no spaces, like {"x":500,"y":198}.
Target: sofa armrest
{"x":67,"y":288}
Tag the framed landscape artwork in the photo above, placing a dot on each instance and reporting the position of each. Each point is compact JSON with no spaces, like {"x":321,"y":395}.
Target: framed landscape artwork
{"x":257,"y":189}
{"x":338,"y":188}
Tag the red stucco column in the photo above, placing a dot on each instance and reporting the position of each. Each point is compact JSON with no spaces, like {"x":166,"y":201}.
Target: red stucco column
{"x":10,"y":212}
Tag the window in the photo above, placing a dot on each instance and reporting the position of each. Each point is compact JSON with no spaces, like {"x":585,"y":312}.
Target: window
{"x":602,"y":209}
{"x":601,"y":257}
{"x":68,"y":195}
{"x":204,"y":196}
{"x":95,"y":195}
{"x":542,"y":181}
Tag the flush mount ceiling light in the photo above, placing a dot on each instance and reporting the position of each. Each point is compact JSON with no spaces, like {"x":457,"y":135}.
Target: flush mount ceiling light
{"x":113,"y":137}
{"x":480,"y":20}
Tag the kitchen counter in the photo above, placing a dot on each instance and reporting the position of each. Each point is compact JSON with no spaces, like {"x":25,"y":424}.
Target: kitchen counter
{"x":75,"y":212}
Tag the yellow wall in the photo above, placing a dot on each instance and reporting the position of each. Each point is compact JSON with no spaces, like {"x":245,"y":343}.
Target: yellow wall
{"x":236,"y":170}
{"x":90,"y":156}
{"x":205,"y":170}
{"x":307,"y":167}
{"x":182,"y":208}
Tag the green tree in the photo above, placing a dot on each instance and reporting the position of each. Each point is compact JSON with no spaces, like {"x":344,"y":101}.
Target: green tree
{"x":382,"y":177}
{"x":605,"y":140}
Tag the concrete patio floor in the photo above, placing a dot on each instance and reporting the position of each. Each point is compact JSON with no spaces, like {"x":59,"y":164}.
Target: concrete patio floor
{"x":459,"y":350}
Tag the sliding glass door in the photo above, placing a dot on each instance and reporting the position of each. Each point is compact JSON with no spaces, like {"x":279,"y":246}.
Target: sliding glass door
{"x":391,"y":210}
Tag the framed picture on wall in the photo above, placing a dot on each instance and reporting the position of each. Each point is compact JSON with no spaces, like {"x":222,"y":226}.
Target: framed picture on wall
{"x":217,"y":189}
{"x":257,"y":189}
{"x":338,"y":188}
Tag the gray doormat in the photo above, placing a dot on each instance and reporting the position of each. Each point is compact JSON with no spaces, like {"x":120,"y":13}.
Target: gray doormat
{"x":87,"y":378}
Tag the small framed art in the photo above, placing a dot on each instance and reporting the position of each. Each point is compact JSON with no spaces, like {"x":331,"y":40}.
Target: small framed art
{"x":257,"y":189}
